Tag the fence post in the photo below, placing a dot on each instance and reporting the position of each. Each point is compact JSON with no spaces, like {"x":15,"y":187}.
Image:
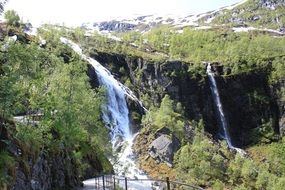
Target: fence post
{"x":109,"y":180}
{"x":126,"y":183}
{"x":114,"y":179}
{"x":167,"y":183}
{"x":103,"y":182}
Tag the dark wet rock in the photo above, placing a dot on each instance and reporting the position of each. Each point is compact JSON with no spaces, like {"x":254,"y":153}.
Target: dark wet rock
{"x":114,"y":26}
{"x":58,"y":172}
{"x":247,"y":102}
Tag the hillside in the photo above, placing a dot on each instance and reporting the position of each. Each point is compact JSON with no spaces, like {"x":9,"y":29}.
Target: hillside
{"x":264,"y":15}
{"x":252,"y":13}
{"x":198,"y":99}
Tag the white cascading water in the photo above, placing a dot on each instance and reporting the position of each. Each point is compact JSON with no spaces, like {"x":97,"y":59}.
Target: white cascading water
{"x":116,"y":117}
{"x":217,"y":100}
{"x":218,"y":104}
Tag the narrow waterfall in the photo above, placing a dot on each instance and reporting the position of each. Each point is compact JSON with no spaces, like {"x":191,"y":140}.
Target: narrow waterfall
{"x":116,"y":117}
{"x":221,"y":116}
{"x":218,"y":104}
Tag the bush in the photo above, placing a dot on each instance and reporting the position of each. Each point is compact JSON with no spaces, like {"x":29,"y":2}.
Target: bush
{"x":6,"y":163}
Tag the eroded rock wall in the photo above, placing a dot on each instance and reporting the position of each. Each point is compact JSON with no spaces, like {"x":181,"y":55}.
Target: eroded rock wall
{"x":247,"y":98}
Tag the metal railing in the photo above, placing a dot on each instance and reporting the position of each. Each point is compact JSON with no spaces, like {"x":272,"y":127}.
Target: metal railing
{"x":112,"y":182}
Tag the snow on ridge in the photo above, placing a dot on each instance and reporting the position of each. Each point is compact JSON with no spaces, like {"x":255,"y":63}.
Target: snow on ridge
{"x":209,"y":20}
{"x":246,"y":29}
{"x":151,"y":20}
{"x":175,"y":20}
{"x":234,"y":5}
{"x":211,"y":14}
{"x":202,"y":28}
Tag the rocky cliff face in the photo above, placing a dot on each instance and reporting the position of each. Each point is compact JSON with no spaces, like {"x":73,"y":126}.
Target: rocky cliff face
{"x":247,"y":98}
{"x":151,"y":81}
{"x":271,"y":4}
{"x":114,"y":26}
{"x":278,"y":95}
{"x":44,"y":170}
{"x":248,"y":103}
{"x":43,"y":173}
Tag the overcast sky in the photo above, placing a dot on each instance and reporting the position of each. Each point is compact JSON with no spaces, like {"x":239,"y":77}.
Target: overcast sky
{"x":74,"y":12}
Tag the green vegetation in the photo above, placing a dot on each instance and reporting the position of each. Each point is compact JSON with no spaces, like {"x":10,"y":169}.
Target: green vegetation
{"x":50,"y":86}
{"x":205,"y":162}
{"x":238,"y":52}
{"x":12,"y":18}
{"x":6,"y":162}
{"x":210,"y":164}
{"x":167,"y":116}
{"x":200,"y":163}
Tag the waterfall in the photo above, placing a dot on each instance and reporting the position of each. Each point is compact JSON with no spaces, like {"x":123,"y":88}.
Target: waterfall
{"x":221,"y":115}
{"x":218,"y":104}
{"x":115,"y":112}
{"x":116,"y":117}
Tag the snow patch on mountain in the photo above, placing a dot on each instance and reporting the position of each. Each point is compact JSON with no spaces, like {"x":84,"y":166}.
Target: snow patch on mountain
{"x":204,"y":21}
{"x":246,"y":29}
{"x":143,"y":23}
{"x":235,"y":5}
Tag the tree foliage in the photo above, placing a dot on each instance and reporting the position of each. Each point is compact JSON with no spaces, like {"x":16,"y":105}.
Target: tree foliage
{"x":12,"y":18}
{"x":211,"y":164}
{"x":200,"y":162}
{"x":51,"y":89}
{"x":165,"y":116}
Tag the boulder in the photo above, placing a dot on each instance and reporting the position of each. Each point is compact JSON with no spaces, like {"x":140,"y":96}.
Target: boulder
{"x":163,"y":148}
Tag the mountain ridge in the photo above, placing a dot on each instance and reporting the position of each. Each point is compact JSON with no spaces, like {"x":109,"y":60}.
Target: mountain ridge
{"x":252,"y":13}
{"x":264,"y":15}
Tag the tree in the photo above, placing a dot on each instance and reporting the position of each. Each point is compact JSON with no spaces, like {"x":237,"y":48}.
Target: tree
{"x":165,"y":116}
{"x":200,"y":162}
{"x":12,"y":18}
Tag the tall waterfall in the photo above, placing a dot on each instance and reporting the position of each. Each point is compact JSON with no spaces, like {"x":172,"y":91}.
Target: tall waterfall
{"x":222,"y":119}
{"x":218,"y":104}
{"x":116,"y":117}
